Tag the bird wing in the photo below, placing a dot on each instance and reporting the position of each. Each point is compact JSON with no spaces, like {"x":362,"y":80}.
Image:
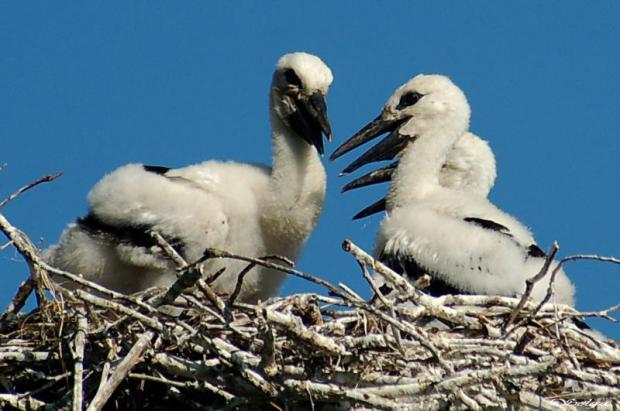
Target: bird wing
{"x":533,"y":250}
{"x":463,"y":254}
{"x":489,"y":225}
{"x":185,"y":208}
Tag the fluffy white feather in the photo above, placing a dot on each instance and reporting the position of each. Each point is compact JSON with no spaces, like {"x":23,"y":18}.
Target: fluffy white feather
{"x":470,"y":166}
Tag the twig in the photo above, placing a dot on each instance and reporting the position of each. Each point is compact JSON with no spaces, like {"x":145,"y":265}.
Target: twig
{"x":247,"y":269}
{"x":323,"y":391}
{"x":294,"y":325}
{"x":21,"y":403}
{"x":215,"y":253}
{"x":204,"y":287}
{"x":25,"y":247}
{"x":101,"y":302}
{"x":594,"y":257}
{"x":18,"y":302}
{"x":44,"y":179}
{"x":530,"y":282}
{"x":378,"y":294}
{"x":169,"y":250}
{"x":601,"y":314}
{"x":239,"y":284}
{"x":268,"y":355}
{"x":120,"y":372}
{"x":189,"y":276}
{"x":78,"y":367}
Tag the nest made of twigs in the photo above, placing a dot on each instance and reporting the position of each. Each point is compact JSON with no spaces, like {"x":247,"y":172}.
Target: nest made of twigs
{"x":191,"y":349}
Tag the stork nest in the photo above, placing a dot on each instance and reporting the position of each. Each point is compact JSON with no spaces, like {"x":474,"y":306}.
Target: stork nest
{"x":188,"y":348}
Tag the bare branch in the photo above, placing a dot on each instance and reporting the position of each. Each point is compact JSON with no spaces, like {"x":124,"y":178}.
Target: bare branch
{"x":44,"y":179}
{"x":530,"y":282}
{"x":215,"y":253}
{"x":78,"y":367}
{"x":120,"y":372}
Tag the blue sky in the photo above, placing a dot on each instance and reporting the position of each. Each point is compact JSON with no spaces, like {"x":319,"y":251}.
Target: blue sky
{"x":85,"y":88}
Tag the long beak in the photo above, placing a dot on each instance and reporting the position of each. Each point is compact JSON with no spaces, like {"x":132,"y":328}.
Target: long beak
{"x":373,"y":129}
{"x":310,"y":121}
{"x":374,"y":208}
{"x":386,"y":149}
{"x":380,"y":175}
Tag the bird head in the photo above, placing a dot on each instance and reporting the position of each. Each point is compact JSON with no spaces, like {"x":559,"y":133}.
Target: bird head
{"x":425,"y":103}
{"x":299,"y":87}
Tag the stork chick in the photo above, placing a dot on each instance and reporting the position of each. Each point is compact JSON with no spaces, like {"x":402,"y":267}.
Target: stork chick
{"x":465,"y":243}
{"x":246,"y":209}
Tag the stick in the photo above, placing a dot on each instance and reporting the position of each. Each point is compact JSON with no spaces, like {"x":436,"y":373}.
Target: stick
{"x":44,"y":179}
{"x":78,"y":367}
{"x":21,"y":403}
{"x":120,"y":372}
{"x":215,"y":253}
{"x":240,"y":277}
{"x":18,"y":302}
{"x":190,"y":276}
{"x":530,"y":282}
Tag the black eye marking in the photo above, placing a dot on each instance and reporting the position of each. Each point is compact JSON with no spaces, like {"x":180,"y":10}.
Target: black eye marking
{"x":292,"y":78}
{"x":409,"y":99}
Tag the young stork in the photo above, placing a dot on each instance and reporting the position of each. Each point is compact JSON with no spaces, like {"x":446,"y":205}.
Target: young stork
{"x":247,"y":209}
{"x":470,"y":166}
{"x":459,"y":238}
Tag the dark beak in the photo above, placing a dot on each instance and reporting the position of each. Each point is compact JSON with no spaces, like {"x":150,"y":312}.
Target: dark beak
{"x":374,"y":208}
{"x":386,"y":149}
{"x":380,"y":175}
{"x":310,"y":121}
{"x":375,"y":128}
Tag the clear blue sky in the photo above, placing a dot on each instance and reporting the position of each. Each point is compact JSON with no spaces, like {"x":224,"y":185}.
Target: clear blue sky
{"x":85,"y":88}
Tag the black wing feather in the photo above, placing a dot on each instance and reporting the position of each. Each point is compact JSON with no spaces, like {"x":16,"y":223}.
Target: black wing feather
{"x":410,"y":269}
{"x":489,"y":225}
{"x":135,"y":234}
{"x":156,"y":169}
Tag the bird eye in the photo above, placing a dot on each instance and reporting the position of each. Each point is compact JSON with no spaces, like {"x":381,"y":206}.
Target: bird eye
{"x":409,"y":99}
{"x":292,"y":78}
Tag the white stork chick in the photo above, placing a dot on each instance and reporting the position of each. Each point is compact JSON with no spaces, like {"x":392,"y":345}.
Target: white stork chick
{"x":470,"y":166}
{"x":459,"y":238}
{"x":245,"y":209}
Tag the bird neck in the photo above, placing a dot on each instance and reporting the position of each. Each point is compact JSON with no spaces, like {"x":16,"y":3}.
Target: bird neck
{"x":296,"y":165}
{"x":418,"y":172}
{"x":296,"y":191}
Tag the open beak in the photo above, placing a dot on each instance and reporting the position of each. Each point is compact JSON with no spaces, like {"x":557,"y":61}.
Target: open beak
{"x":374,"y":208}
{"x":380,"y":175}
{"x":309,"y":120}
{"x":372,"y":130}
{"x":386,"y":149}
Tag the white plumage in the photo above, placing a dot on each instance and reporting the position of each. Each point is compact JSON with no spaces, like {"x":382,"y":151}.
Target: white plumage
{"x":247,"y":209}
{"x":470,"y":166}
{"x":463,"y":241}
